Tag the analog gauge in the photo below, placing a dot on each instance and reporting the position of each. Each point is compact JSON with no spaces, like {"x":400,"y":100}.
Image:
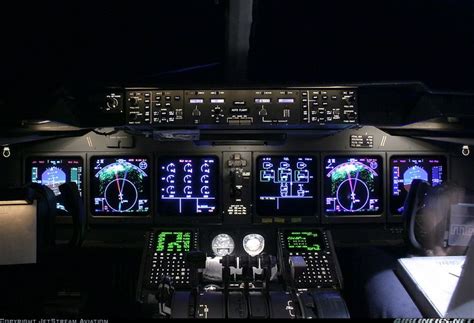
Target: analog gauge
{"x":253,"y":244}
{"x":223,"y":245}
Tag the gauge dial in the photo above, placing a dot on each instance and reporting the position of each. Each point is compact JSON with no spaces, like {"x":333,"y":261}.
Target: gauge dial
{"x":253,"y":244}
{"x":223,"y":245}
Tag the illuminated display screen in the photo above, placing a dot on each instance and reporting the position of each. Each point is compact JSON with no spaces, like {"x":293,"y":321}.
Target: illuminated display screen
{"x":54,"y":171}
{"x":353,"y":185}
{"x":304,"y":241}
{"x":404,"y":169}
{"x":120,"y":186}
{"x":286,"y":186}
{"x":173,"y":241}
{"x":188,"y":186}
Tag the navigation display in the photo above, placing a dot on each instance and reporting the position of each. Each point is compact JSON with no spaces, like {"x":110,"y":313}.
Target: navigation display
{"x":303,"y":241}
{"x":188,"y":186}
{"x":173,"y":241}
{"x":54,"y":171}
{"x":353,"y":185}
{"x":404,"y":169}
{"x":120,"y":186}
{"x":286,"y":186}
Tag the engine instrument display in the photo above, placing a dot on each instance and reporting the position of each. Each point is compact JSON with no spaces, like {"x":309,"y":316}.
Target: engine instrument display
{"x":173,"y":241}
{"x":54,"y":171}
{"x":303,"y":241}
{"x":353,"y":185}
{"x":223,"y":245}
{"x":286,"y":186}
{"x":404,"y":169}
{"x":253,"y":244}
{"x":188,"y":186}
{"x":120,"y":185}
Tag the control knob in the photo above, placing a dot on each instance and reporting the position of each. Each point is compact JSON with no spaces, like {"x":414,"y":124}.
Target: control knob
{"x":348,"y":99}
{"x":133,"y":101}
{"x":217,"y":113}
{"x":112,"y":103}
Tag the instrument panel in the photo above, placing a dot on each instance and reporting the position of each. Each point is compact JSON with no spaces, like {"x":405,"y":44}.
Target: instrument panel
{"x":240,"y":187}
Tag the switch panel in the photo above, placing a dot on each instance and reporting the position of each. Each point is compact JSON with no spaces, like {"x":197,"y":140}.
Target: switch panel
{"x":255,"y":108}
{"x":237,"y":183}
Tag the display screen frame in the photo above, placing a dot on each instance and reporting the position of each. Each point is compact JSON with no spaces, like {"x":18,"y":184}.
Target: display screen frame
{"x":395,"y":217}
{"x":145,"y":217}
{"x":26,"y":176}
{"x":311,"y":216}
{"x":380,"y":217}
{"x":198,"y":218}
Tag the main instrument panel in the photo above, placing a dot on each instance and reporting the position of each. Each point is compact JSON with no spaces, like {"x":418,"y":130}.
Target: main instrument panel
{"x":240,"y":187}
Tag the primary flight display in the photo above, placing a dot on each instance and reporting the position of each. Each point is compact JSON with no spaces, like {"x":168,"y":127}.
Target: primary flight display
{"x":404,"y":169}
{"x":54,"y":171}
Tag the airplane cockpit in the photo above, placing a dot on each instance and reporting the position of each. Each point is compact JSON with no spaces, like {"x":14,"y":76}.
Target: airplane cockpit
{"x":237,"y":159}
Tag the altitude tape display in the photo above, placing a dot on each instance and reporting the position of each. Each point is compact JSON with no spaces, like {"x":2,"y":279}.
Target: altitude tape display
{"x":286,"y":186}
{"x":188,"y":186}
{"x":120,"y":185}
{"x":353,"y":185}
{"x":55,"y":171}
{"x":404,"y":169}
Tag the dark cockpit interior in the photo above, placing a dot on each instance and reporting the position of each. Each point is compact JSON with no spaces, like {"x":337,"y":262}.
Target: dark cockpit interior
{"x":237,"y":159}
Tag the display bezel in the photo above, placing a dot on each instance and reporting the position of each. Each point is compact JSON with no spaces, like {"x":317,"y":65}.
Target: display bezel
{"x":165,"y":218}
{"x":355,"y":218}
{"x":314,"y":217}
{"x":126,"y":217}
{"x":65,"y":219}
{"x":397,"y":218}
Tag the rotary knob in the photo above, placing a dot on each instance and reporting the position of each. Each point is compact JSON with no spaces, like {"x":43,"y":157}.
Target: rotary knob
{"x":112,"y":103}
{"x":217,"y":114}
{"x":349,"y":99}
{"x":133,"y":101}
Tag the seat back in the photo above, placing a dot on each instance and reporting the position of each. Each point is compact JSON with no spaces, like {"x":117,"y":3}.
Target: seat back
{"x":427,"y":217}
{"x":74,"y":204}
